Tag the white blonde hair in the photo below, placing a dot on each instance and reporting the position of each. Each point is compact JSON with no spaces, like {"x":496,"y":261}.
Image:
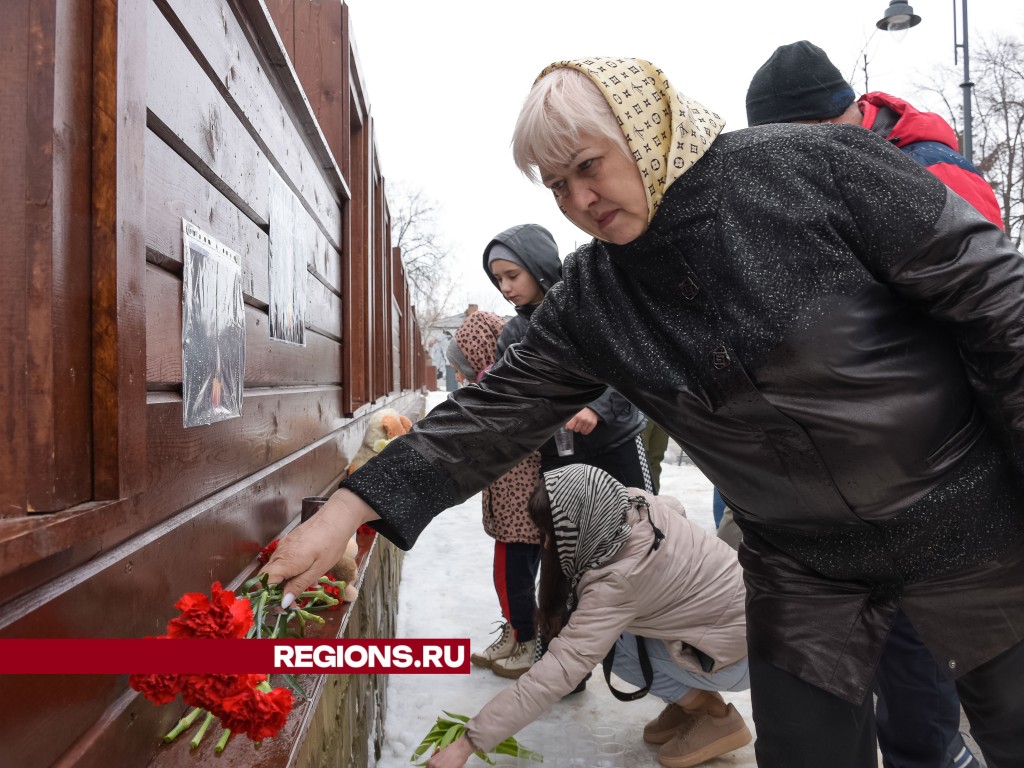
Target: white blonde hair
{"x":561,"y":105}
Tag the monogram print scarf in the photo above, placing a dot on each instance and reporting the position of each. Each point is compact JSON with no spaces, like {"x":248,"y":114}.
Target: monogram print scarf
{"x":666,"y":131}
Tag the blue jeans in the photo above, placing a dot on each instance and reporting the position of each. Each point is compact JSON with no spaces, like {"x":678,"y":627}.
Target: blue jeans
{"x":717,"y":507}
{"x":671,"y":682}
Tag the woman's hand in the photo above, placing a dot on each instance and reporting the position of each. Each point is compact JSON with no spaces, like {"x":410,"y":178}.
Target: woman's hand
{"x":312,"y":549}
{"x":454,"y":755}
{"x":583,"y":422}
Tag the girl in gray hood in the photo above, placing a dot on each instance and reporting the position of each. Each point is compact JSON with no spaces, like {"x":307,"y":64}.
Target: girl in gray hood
{"x":523,"y":264}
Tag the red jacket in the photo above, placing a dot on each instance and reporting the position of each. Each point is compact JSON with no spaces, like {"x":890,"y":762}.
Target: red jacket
{"x":930,"y":140}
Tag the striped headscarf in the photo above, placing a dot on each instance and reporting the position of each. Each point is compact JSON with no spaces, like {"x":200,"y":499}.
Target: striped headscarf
{"x":588,"y":509}
{"x":666,"y":131}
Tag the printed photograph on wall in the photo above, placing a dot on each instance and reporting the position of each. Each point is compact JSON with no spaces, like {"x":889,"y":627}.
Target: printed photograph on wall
{"x":212,"y":330}
{"x":288,"y":250}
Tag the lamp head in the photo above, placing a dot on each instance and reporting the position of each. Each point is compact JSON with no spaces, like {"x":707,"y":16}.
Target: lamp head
{"x":899,"y":16}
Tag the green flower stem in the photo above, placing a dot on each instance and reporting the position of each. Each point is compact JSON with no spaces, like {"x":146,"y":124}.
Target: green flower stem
{"x":222,"y":741}
{"x":262,"y":608}
{"x":305,"y":616}
{"x":183,"y":724}
{"x":320,"y":596}
{"x":202,"y":730}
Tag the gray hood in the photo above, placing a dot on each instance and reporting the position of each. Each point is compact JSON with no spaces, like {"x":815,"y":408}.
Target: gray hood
{"x":536,"y":248}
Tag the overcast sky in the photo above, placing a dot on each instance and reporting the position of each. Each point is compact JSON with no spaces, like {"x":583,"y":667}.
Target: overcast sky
{"x":445,"y":80}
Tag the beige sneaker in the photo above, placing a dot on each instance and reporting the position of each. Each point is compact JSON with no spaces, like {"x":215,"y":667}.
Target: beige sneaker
{"x":516,"y":663}
{"x":704,"y":738}
{"x":664,"y":726}
{"x":499,"y":649}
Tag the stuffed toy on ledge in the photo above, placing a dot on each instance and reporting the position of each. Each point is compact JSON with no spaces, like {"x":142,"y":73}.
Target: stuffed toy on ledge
{"x":385,"y":424}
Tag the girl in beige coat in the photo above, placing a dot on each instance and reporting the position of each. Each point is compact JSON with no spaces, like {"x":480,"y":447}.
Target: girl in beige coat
{"x":628,"y":581}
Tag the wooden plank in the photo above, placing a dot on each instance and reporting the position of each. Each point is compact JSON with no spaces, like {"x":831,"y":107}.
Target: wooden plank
{"x":283,"y":14}
{"x":143,"y":579}
{"x":175,"y":190}
{"x":216,"y":38}
{"x":118,"y":216}
{"x":318,"y":54}
{"x":345,"y":142}
{"x":325,"y":261}
{"x":14,"y":89}
{"x":381,"y":317}
{"x":268,"y":362}
{"x":358,"y":271}
{"x":188,"y":112}
{"x":72,"y":145}
{"x":52,"y":182}
{"x":274,"y":424}
{"x":45,"y":548}
{"x":259,"y":26}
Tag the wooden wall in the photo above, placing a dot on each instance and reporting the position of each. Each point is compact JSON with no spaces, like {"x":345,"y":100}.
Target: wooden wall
{"x":121,"y":119}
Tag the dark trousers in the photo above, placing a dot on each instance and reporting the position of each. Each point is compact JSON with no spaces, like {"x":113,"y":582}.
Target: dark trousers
{"x":993,"y":699}
{"x":626,"y":463}
{"x":801,"y":726}
{"x":515,"y":582}
{"x":918,"y":711}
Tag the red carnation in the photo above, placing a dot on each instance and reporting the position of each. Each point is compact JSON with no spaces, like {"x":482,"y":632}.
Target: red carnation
{"x":365,"y":530}
{"x":267,"y":551}
{"x":334,"y":592}
{"x":160,"y":689}
{"x":222,"y":616}
{"x":256,"y":714}
{"x":208,"y":691}
{"x":329,"y":589}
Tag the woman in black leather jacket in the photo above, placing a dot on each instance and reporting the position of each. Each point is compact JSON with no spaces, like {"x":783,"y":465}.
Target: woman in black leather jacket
{"x":835,"y":339}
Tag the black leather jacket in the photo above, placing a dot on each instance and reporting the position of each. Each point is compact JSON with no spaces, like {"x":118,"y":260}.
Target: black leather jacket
{"x":837,"y":341}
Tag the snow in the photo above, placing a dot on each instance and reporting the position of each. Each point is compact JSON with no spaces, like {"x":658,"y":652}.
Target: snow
{"x":447,"y":592}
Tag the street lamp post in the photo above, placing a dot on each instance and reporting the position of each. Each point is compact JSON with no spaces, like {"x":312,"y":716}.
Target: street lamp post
{"x":966,"y":85}
{"x":900,"y":16}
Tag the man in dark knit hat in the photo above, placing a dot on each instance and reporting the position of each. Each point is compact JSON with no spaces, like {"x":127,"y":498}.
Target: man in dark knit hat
{"x":798,"y":84}
{"x":918,"y":711}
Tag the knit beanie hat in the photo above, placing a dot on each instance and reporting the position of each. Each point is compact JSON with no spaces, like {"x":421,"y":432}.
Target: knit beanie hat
{"x":798,"y":82}
{"x":502,"y":251}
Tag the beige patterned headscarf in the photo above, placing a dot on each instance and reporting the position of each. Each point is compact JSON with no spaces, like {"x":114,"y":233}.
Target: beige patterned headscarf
{"x":666,"y":131}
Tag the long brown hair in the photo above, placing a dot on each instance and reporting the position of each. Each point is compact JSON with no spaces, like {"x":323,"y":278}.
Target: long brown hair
{"x":554,"y":587}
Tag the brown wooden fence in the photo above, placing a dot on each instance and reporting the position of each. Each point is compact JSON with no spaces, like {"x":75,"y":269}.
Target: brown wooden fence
{"x":122,"y":120}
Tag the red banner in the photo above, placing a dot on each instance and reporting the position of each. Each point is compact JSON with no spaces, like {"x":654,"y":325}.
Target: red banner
{"x":88,"y":656}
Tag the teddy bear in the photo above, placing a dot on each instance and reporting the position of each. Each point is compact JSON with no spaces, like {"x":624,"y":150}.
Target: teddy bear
{"x":385,"y":424}
{"x":345,"y":570}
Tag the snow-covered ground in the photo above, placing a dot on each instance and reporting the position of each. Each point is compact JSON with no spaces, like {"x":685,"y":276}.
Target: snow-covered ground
{"x":446,"y":592}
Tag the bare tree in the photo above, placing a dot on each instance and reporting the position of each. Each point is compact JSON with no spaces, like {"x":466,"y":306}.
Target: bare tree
{"x":997,"y":125}
{"x":414,"y":230}
{"x":998,"y":129}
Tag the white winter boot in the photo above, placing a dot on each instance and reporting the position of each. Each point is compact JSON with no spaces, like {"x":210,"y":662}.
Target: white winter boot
{"x":500,"y":649}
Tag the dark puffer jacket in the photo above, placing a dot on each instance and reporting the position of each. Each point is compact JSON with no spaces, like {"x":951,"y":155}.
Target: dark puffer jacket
{"x":618,"y":419}
{"x":838,"y":342}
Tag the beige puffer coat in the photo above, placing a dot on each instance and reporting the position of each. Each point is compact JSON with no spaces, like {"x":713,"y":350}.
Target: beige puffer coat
{"x":687,"y":593}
